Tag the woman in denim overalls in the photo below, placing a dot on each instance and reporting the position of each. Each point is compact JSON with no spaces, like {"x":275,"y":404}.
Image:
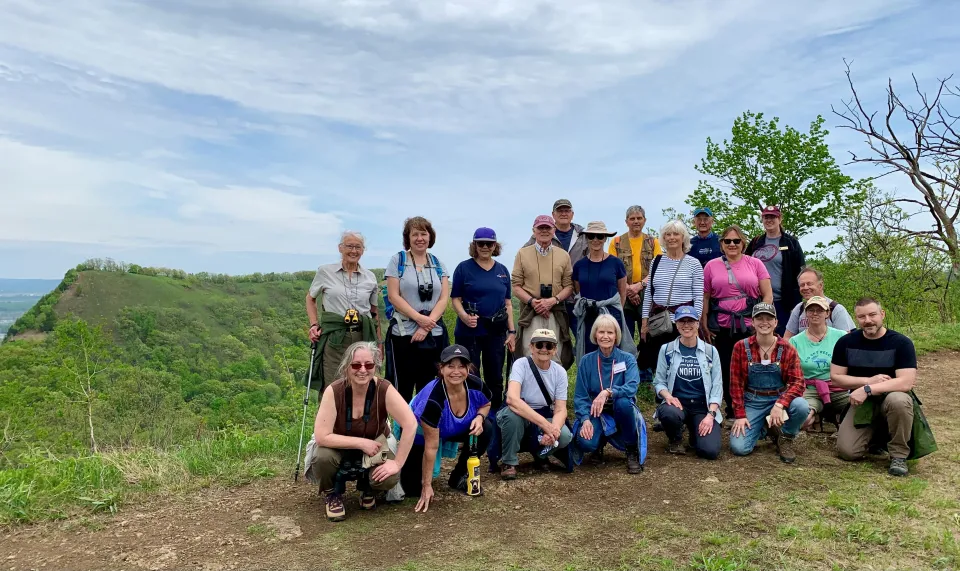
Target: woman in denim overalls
{"x":765,"y":380}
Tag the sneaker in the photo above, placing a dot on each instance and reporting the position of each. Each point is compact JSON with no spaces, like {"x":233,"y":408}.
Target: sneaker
{"x":334,"y":506}
{"x":898,"y":467}
{"x":368,"y":501}
{"x":785,"y":448}
{"x":508,"y":472}
{"x":633,"y":461}
{"x":676,"y":447}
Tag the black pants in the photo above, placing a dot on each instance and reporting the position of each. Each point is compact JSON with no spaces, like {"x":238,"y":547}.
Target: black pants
{"x":411,"y":475}
{"x":653,"y":344}
{"x":414,"y":366}
{"x":724,"y":342}
{"x":488,"y":353}
{"x":694,"y":411}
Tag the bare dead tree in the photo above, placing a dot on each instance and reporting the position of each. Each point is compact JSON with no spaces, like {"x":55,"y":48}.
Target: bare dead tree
{"x":926,"y":150}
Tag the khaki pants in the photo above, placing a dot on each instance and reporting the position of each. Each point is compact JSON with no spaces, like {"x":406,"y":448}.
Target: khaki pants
{"x":333,"y":354}
{"x":326,"y":462}
{"x":897,"y":408}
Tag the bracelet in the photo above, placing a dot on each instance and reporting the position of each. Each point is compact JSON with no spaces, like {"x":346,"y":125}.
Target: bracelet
{"x":511,"y":331}
{"x":481,"y":415}
{"x":312,"y":325}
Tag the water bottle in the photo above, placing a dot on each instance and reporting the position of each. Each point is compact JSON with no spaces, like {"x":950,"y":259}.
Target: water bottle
{"x":473,"y":469}
{"x":547,"y":449}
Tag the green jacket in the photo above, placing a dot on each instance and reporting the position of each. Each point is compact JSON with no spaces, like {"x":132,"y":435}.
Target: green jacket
{"x":921,"y":437}
{"x":334,"y":332}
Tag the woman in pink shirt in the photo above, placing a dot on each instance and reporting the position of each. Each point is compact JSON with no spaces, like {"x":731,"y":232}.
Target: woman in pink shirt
{"x":732,"y":285}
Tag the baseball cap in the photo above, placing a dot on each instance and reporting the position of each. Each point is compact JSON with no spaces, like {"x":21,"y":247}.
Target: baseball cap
{"x":703,"y":210}
{"x":818,"y":300}
{"x":484,"y":235}
{"x":775,"y":210}
{"x":452,"y":352}
{"x":767,"y":308}
{"x":544,"y":220}
{"x":544,"y":335}
{"x":561,"y":203}
{"x":685,"y":311}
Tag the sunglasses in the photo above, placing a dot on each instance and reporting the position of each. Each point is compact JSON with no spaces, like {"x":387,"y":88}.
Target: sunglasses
{"x":729,"y":241}
{"x":544,"y":345}
{"x":368,"y":366}
{"x":544,"y":228}
{"x":596,"y":236}
{"x":485,"y":244}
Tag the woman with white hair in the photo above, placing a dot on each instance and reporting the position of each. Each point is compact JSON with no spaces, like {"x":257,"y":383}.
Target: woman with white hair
{"x":676,"y":280}
{"x":605,"y":398}
{"x":348,"y":311}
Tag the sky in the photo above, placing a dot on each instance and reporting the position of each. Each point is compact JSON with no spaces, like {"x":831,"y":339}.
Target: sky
{"x":239,"y":136}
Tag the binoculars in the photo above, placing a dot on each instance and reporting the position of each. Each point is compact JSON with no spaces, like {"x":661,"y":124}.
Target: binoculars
{"x":546,"y":291}
{"x":352,"y":317}
{"x":425,"y":291}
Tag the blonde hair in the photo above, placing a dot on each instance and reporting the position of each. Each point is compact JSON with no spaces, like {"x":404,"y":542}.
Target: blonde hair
{"x":680,"y":228}
{"x":351,"y":352}
{"x":605,"y":319}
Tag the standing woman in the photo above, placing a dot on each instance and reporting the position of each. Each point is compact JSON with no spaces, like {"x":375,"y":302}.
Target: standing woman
{"x":348,"y":308}
{"x":600,"y":281}
{"x":732,"y":285}
{"x":676,"y":281}
{"x":418,"y":286}
{"x":482,"y":297}
{"x":781,"y":254}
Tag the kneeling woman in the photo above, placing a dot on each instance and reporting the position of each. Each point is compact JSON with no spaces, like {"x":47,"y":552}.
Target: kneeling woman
{"x":449,"y":409}
{"x":766,"y":381}
{"x":605,"y":397}
{"x":689,"y":382}
{"x":351,"y":425}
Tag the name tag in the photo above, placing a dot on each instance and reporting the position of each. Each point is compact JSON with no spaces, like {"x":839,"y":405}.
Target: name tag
{"x":784,"y":248}
{"x":619,"y":368}
{"x":764,"y":361}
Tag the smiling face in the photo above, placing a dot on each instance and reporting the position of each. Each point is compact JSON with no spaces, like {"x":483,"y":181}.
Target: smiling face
{"x":704,"y":223}
{"x":455,"y":371}
{"x":595,"y":241}
{"x":419,"y":240}
{"x":870,"y":318}
{"x":636,"y":221}
{"x":771,"y":222}
{"x":688,"y":327}
{"x":765,"y":323}
{"x":543,"y":351}
{"x":606,"y":337}
{"x":544,"y":233}
{"x":563,"y":216}
{"x":351,"y":249}
{"x":673,"y":240}
{"x":361,"y":368}
{"x":810,"y":285}
{"x":730,"y":249}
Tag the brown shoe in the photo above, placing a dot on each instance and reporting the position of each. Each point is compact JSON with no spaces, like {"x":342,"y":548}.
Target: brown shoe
{"x":785,"y":449}
{"x":368,"y":501}
{"x":508,"y":472}
{"x":334,"y":506}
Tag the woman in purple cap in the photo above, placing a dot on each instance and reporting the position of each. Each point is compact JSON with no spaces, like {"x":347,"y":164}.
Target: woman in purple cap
{"x":780,"y":252}
{"x":481,"y":296}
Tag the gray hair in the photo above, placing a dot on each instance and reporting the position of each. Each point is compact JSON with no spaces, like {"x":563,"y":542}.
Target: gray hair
{"x":353,"y":234}
{"x":812,"y":270}
{"x":351,"y":352}
{"x":680,"y":228}
{"x":636,"y":210}
{"x":605,"y":319}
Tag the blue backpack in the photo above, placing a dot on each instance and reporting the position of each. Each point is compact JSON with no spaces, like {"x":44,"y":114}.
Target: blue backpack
{"x":401,"y":266}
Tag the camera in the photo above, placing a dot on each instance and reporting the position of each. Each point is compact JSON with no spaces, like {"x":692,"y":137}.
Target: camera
{"x":546,"y":291}
{"x":425,"y":291}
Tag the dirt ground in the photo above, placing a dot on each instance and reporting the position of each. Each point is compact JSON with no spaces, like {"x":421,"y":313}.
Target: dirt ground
{"x":595,"y":515}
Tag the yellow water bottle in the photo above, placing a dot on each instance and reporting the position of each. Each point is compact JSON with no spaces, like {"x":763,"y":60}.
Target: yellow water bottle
{"x":473,"y":469}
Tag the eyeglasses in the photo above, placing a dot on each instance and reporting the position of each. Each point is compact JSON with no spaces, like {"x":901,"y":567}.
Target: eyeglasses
{"x":544,"y":228}
{"x":368,"y":366}
{"x":729,"y":241}
{"x":485,"y":244}
{"x":541,"y":345}
{"x":595,"y":236}
{"x":352,"y":247}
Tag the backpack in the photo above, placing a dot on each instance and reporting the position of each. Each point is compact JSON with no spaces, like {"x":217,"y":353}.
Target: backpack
{"x":401,"y":267}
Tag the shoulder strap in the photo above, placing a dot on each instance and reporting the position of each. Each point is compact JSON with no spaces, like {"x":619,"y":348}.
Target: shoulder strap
{"x":746,"y":345}
{"x":436,"y":265}
{"x":673,"y":280}
{"x":653,"y":271}
{"x":731,"y":277}
{"x":833,"y":305}
{"x":401,"y":263}
{"x":536,"y":375}
{"x":779,"y":353}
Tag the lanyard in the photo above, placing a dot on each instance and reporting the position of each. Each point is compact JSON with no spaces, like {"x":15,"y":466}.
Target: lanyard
{"x":600,"y":373}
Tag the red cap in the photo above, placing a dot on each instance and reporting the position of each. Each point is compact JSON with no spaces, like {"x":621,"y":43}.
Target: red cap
{"x":775,"y":210}
{"x":544,"y":220}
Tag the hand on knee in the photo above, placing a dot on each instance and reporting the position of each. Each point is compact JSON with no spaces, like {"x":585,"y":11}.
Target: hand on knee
{"x":741,"y":446}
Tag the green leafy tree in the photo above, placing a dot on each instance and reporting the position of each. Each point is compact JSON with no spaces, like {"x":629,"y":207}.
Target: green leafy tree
{"x":763,"y":164}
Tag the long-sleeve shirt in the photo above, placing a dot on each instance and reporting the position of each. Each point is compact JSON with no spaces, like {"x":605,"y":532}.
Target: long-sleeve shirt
{"x":789,"y":368}
{"x":624,"y":382}
{"x":686,"y":288}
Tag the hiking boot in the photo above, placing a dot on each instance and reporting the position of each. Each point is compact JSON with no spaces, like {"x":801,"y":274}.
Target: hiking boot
{"x":595,"y":458}
{"x":368,"y":501}
{"x":773,"y":433}
{"x":676,"y":447}
{"x":898,"y":467}
{"x":633,"y":461}
{"x":785,"y":448}
{"x":334,"y":506}
{"x":508,"y":472}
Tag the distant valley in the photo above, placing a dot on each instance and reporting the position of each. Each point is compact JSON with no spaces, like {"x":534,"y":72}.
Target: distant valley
{"x":19,"y":295}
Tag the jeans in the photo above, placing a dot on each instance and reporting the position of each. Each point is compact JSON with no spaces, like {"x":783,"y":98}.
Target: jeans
{"x":623,"y":412}
{"x":488,"y":353}
{"x":693,"y":413}
{"x":412,"y":472}
{"x":758,"y":407}
{"x":514,"y":429}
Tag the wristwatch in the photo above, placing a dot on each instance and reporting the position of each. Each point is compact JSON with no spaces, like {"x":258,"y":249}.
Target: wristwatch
{"x":511,"y":331}
{"x":713,"y":413}
{"x":530,"y":301}
{"x":868,"y":390}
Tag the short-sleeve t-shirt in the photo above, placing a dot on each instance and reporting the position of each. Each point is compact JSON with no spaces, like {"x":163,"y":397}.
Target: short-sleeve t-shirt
{"x":748,"y":271}
{"x":598,"y":280}
{"x":564,"y":237}
{"x":636,"y":248}
{"x":431,"y":407}
{"x":410,"y":284}
{"x":688,"y":383}
{"x":868,"y":357}
{"x":839,"y":318}
{"x":772,"y":257}
{"x":480,"y":290}
{"x":815,"y":357}
{"x":554,"y":379}
{"x":705,"y":249}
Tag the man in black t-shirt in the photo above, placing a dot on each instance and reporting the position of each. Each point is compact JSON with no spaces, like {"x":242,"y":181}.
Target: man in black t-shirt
{"x":879,"y":364}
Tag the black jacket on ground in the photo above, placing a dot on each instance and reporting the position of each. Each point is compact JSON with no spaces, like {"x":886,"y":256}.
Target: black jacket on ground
{"x":793,"y":262}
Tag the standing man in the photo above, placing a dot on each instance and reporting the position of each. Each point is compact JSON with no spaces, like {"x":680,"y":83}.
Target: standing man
{"x":811,"y":285}
{"x":636,"y":250}
{"x":781,"y":254}
{"x":568,"y":236}
{"x":542,"y":280}
{"x":879,"y":367}
{"x":705,"y":244}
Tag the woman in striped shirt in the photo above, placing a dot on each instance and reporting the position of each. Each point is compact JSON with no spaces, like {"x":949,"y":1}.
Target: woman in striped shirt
{"x":676,"y":279}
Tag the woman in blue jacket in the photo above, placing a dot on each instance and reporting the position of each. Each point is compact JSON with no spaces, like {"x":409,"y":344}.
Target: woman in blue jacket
{"x":605,"y":398}
{"x":689,"y":382}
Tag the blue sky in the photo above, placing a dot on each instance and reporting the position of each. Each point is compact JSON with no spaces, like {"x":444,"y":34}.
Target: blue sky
{"x":239,"y":136}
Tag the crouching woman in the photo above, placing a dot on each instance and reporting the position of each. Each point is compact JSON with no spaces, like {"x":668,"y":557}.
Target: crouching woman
{"x":351,"y":432}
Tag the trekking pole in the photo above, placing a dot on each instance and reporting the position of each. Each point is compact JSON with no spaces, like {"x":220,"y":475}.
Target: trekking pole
{"x":306,"y":402}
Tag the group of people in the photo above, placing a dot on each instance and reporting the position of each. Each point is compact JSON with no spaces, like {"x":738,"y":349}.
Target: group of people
{"x":733,"y":332}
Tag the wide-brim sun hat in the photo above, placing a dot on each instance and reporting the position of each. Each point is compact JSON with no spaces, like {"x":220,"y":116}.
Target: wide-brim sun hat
{"x":597,"y":227}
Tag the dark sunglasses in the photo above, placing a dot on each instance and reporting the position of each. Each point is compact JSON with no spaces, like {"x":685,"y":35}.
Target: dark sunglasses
{"x":485,"y":244}
{"x":544,"y":345}
{"x":544,"y":228}
{"x":595,"y":236}
{"x":367,"y":366}
{"x":729,"y":241}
